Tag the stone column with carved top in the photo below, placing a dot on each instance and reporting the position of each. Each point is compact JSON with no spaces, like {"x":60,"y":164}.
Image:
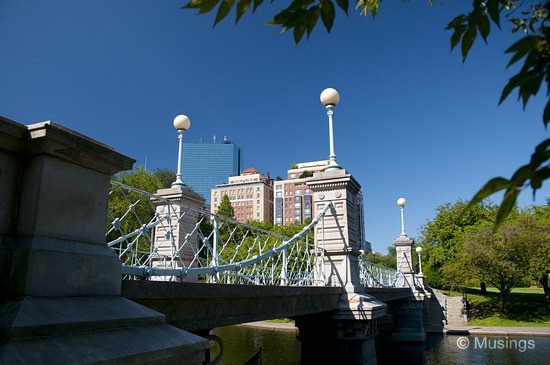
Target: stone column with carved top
{"x":60,"y":283}
{"x":346,"y":335}
{"x":184,"y":210}
{"x":340,"y":234}
{"x":407,"y":313}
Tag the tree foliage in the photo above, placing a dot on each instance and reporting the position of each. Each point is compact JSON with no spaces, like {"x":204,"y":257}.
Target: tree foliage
{"x":501,"y":259}
{"x":128,"y":210}
{"x":462,"y":248}
{"x":529,"y":16}
{"x":388,"y":260}
{"x":225,"y":209}
{"x":442,"y":237}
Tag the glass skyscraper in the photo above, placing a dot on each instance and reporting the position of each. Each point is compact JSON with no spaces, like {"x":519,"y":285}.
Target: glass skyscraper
{"x":205,"y":165}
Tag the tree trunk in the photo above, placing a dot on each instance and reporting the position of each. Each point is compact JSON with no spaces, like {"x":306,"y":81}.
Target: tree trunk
{"x":544,"y":282}
{"x":483,"y":288}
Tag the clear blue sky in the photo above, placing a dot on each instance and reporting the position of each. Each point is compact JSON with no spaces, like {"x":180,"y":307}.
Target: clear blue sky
{"x":413,"y":120}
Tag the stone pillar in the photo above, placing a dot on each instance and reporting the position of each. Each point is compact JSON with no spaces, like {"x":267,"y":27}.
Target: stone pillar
{"x":404,"y":254}
{"x":183,"y":230}
{"x":347,"y":335}
{"x":340,"y":233}
{"x":12,"y":147}
{"x":408,"y":313}
{"x":62,"y":284}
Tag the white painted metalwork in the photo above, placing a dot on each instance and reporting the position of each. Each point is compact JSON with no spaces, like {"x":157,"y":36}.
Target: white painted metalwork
{"x":214,"y":249}
{"x":402,"y":202}
{"x":330,"y":98}
{"x":182,"y":123}
{"x":373,"y":275}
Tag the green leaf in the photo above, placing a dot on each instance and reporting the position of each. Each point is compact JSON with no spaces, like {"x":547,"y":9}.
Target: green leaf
{"x":538,"y":177}
{"x":468,"y":41}
{"x":546,"y":114}
{"x":204,"y":5}
{"x":541,"y":154}
{"x":299,"y":32}
{"x":242,"y":7}
{"x":457,"y":35}
{"x":312,"y":19}
{"x":368,"y":7}
{"x":223,"y":10}
{"x":521,"y":175}
{"x":491,"y":187}
{"x":484,"y":27}
{"x":494,"y":11}
{"x":256,"y":4}
{"x":506,"y":206}
{"x":344,"y":5}
{"x":522,"y":47}
{"x":327,"y":13}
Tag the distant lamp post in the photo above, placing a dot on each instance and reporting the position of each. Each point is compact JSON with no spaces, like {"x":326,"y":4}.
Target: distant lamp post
{"x":182,"y":124}
{"x":419,"y":252}
{"x":402,"y":202}
{"x":330,"y":98}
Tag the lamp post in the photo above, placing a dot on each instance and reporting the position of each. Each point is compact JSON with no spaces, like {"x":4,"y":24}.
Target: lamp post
{"x":182,"y":124}
{"x":402,"y":202}
{"x":330,"y":98}
{"x":419,"y":252}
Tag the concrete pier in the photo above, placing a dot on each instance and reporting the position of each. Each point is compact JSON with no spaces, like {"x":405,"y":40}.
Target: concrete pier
{"x":60,"y":284}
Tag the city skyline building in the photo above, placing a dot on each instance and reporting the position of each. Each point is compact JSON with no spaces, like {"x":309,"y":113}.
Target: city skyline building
{"x":293,"y":198}
{"x":205,"y":165}
{"x":250,"y":194}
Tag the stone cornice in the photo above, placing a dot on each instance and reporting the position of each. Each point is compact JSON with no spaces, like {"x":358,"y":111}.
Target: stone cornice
{"x":12,"y":135}
{"x":52,"y":139}
{"x":403,"y":241}
{"x":325,"y":181}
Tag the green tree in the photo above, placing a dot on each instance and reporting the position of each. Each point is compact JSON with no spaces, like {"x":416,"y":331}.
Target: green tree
{"x":499,"y":258}
{"x":166,"y":176}
{"x":505,"y":258}
{"x":534,"y":229}
{"x":306,"y":173}
{"x":388,"y":260}
{"x":531,"y":17}
{"x":225,"y":209}
{"x":442,"y":237}
{"x":130,"y":210}
{"x":141,"y":179}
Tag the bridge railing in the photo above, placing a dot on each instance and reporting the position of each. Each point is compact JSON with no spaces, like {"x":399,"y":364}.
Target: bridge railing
{"x":373,"y":275}
{"x":164,"y":239}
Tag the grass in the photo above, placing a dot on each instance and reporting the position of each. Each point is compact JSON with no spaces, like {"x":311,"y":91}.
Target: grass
{"x":526,"y":307}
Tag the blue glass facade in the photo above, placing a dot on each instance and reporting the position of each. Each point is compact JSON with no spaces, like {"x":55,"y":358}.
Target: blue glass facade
{"x":205,"y":165}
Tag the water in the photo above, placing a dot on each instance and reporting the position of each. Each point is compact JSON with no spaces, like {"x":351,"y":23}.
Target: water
{"x":282,"y":348}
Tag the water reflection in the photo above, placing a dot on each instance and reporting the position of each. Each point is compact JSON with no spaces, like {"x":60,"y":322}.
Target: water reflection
{"x":241,"y":343}
{"x":282,"y":348}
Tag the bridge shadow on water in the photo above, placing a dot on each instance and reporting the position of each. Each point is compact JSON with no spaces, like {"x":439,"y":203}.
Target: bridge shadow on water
{"x":391,"y":353}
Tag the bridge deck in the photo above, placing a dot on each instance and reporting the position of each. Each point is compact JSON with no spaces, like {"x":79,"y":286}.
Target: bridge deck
{"x":198,"y":306}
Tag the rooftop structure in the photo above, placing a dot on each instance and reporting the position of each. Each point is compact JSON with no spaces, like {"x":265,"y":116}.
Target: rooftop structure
{"x":293,"y":198}
{"x":250,"y":194}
